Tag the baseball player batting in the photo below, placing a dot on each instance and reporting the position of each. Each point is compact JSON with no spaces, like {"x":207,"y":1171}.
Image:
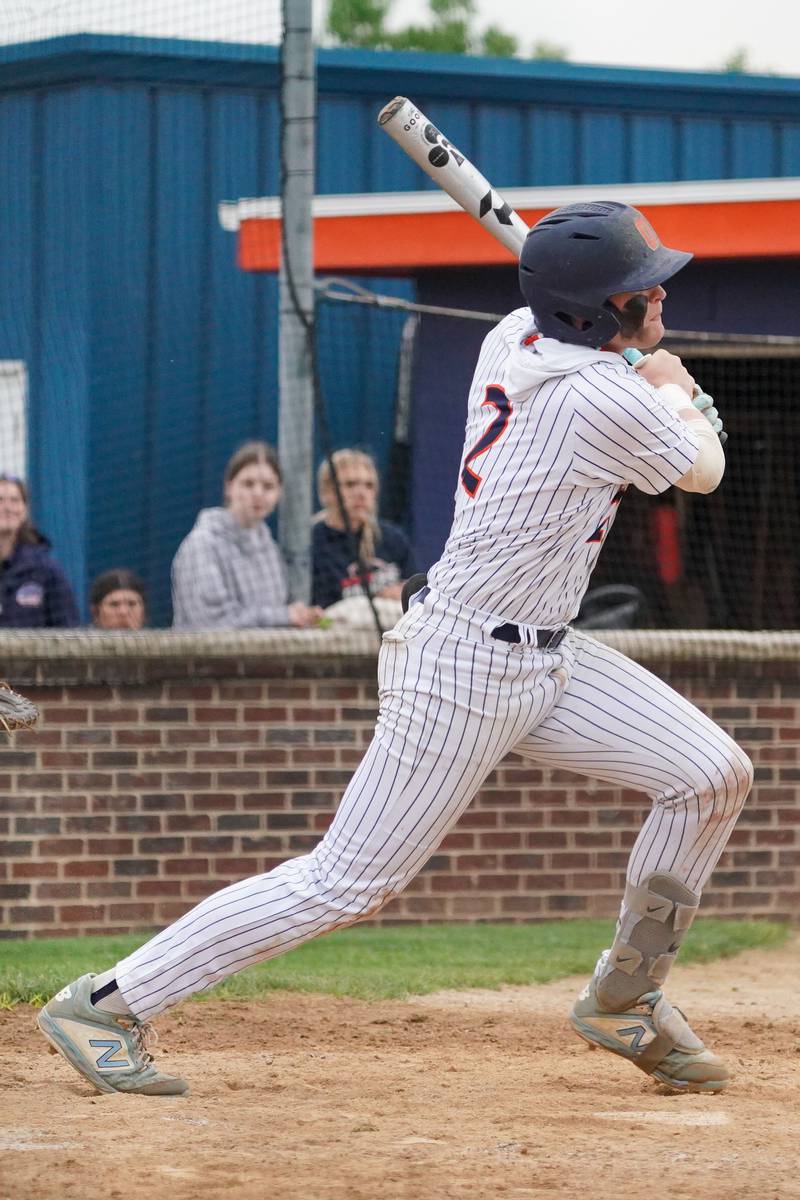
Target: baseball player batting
{"x":484,"y":662}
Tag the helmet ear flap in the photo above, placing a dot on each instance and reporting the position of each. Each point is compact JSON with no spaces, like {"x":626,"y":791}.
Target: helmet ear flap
{"x":579,"y":324}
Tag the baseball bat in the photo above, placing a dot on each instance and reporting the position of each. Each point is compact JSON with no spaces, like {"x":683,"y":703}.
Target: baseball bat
{"x":452,"y":171}
{"x":461,"y":179}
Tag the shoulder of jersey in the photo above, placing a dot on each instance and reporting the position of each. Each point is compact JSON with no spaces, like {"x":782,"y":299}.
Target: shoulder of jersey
{"x":513,"y":324}
{"x":615,"y":366}
{"x":519,"y":318}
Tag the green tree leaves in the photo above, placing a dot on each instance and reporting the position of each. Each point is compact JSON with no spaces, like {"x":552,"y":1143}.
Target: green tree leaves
{"x":450,"y":30}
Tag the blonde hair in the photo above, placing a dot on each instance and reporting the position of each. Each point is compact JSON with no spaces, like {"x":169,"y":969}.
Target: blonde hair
{"x":369,"y":534}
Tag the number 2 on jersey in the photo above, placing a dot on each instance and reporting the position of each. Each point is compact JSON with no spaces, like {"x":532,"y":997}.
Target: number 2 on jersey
{"x":495,"y":398}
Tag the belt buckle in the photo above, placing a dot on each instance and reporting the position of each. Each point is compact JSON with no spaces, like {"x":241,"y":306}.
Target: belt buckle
{"x":554,"y":640}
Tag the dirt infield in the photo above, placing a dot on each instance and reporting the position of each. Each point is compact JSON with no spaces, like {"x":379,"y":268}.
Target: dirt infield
{"x":476,"y":1094}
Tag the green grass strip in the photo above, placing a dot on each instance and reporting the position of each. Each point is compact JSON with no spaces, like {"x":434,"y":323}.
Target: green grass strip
{"x":377,"y":962}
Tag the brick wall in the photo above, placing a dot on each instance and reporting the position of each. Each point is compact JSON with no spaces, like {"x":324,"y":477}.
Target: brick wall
{"x":161,"y":772}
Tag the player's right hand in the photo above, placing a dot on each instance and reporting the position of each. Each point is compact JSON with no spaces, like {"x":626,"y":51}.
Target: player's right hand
{"x":662,"y":367}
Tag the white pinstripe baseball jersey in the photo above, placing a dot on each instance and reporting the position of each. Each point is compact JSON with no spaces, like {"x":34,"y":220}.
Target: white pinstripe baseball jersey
{"x":554,"y":432}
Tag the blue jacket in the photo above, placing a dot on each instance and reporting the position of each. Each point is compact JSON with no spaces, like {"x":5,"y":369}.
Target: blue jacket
{"x":34,"y":591}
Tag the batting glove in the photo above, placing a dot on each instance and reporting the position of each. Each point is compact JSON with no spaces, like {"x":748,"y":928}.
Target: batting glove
{"x":705,"y":404}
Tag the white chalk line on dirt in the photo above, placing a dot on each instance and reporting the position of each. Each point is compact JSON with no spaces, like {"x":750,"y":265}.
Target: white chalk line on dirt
{"x":29,"y":1139}
{"x":667,"y":1118}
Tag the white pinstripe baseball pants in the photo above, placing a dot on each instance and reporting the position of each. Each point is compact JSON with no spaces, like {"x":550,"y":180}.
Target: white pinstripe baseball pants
{"x":454,"y":702}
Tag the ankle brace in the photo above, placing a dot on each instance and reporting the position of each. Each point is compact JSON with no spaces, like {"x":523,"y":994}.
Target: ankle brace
{"x":653,"y":922}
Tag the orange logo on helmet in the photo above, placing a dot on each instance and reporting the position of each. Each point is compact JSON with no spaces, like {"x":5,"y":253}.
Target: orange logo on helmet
{"x":648,"y":234}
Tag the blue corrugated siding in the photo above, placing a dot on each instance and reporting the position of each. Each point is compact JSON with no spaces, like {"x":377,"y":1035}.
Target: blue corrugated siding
{"x":652,"y":148}
{"x":122,"y":281}
{"x":343,"y":122}
{"x":603,"y":149}
{"x":703,"y":148}
{"x":241,"y":379}
{"x":179,"y":329}
{"x":529,"y":145}
{"x":60,"y":366}
{"x":151,"y":355}
{"x":788,"y":133}
{"x":17,"y":226}
{"x":499,"y":141}
{"x":753,"y":149}
{"x":553,"y":139}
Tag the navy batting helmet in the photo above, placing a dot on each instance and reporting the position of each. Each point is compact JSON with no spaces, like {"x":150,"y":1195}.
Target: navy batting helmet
{"x":578,"y":256}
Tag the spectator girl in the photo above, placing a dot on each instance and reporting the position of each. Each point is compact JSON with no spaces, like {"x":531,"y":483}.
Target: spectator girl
{"x":228,"y":572}
{"x":117,"y":600}
{"x":34,"y":591}
{"x":372,"y":551}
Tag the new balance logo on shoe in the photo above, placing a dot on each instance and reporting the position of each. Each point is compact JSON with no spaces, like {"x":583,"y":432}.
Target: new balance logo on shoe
{"x":106,"y":1061}
{"x":64,"y":994}
{"x":635,"y":1033}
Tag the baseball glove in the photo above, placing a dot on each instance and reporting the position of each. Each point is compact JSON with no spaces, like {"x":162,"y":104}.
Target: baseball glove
{"x":16,"y":712}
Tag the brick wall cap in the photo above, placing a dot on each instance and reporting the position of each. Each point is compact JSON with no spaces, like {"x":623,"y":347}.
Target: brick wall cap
{"x":98,"y":645}
{"x":675,"y":645}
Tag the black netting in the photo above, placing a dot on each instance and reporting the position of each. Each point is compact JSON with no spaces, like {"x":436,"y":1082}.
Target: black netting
{"x":729,"y":560}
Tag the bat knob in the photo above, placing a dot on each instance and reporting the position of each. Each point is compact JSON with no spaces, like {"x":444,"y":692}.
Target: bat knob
{"x":391,"y":109}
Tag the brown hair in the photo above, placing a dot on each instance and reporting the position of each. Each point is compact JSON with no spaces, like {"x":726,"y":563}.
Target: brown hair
{"x":369,"y":534}
{"x":118,"y":579}
{"x":252,"y":452}
{"x":27,"y":532}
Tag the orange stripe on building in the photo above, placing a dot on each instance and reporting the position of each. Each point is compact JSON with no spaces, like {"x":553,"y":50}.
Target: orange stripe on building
{"x":410,"y":242}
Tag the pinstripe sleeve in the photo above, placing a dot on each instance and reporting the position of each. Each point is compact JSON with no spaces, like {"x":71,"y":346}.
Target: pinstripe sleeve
{"x":623,"y":433}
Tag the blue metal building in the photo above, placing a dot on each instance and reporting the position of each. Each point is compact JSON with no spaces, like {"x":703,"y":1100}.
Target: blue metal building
{"x":150,"y":354}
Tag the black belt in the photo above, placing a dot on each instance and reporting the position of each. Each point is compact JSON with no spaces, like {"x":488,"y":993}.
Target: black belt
{"x":416,"y":589}
{"x":546,"y":639}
